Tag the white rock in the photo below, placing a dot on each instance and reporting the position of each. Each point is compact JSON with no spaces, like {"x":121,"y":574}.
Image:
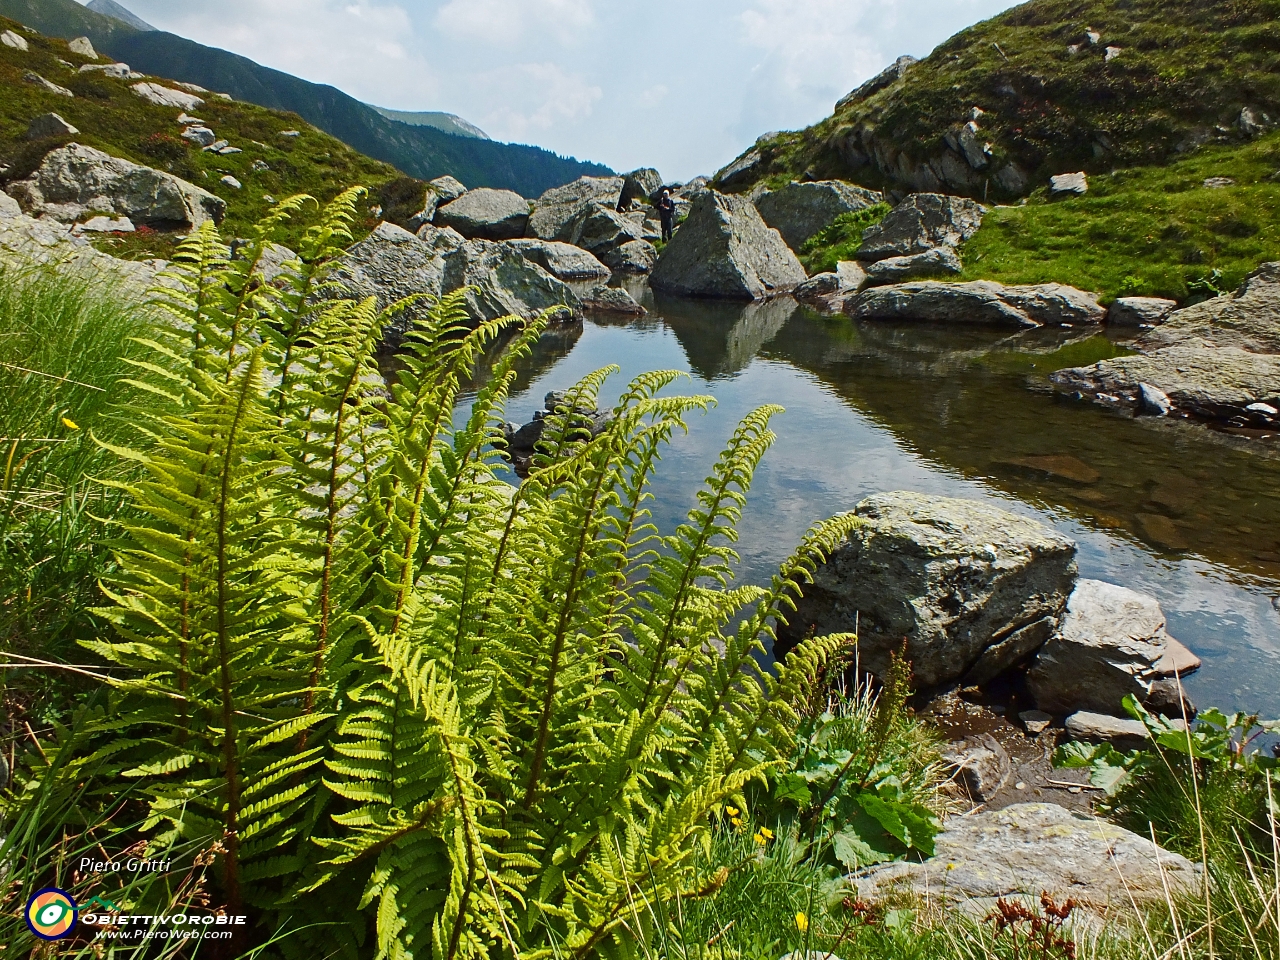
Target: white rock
{"x":231,"y":181}
{"x":199,"y":134}
{"x":42,"y":83}
{"x":186,"y":118}
{"x":1263,"y":408}
{"x":1217,"y":183}
{"x":117,"y":71}
{"x":216,"y":146}
{"x":1112,"y":53}
{"x":226,"y":151}
{"x":192,"y":87}
{"x":11,"y":39}
{"x":82,"y":46}
{"x":259,"y":166}
{"x":9,"y":207}
{"x":290,"y":133}
{"x":1153,"y":401}
{"x":107,"y":225}
{"x":49,"y":125}
{"x":1073,"y":183}
{"x":167,"y":96}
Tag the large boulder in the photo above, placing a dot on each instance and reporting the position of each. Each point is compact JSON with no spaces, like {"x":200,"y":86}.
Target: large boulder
{"x":31,"y":241}
{"x":486,"y":214}
{"x":927,"y":264}
{"x":1212,"y":383}
{"x":970,"y":588}
{"x":49,"y":125}
{"x":799,"y":210}
{"x":921,"y":222}
{"x":1030,"y":849}
{"x":644,"y":184}
{"x":1248,"y":319}
{"x":634,"y":256}
{"x":563,"y":261}
{"x":725,"y":250}
{"x":559,"y":211}
{"x":440,"y":191}
{"x":1139,"y":311}
{"x":601,"y":229}
{"x":978,"y":301}
{"x":75,"y":179}
{"x":167,"y":96}
{"x":743,"y":170}
{"x":501,"y":282}
{"x":391,"y":264}
{"x":1112,"y":644}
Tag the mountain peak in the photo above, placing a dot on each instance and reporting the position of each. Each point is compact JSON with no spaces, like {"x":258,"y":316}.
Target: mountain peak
{"x":109,"y":8}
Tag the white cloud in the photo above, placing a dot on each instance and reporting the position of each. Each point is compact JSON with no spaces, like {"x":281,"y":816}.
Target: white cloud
{"x":533,"y":98}
{"x":510,"y":22}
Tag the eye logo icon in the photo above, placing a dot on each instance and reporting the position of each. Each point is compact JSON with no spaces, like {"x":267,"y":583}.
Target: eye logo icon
{"x":51,"y":913}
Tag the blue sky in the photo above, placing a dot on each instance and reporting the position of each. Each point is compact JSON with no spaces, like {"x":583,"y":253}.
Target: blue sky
{"x":683,"y":85}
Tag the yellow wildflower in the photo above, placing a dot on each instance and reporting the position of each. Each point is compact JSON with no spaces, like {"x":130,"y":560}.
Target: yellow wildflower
{"x":69,"y":424}
{"x":802,"y":922}
{"x":766,"y":833}
{"x":759,"y":838}
{"x":736,"y":821}
{"x":732,"y":811}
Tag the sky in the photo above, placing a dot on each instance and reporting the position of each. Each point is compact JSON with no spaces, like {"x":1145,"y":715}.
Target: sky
{"x":681,"y":85}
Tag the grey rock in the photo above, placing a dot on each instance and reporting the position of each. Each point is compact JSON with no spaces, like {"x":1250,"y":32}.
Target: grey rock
{"x":951,"y":577}
{"x":1075,"y":184}
{"x":972,"y":147}
{"x":36,"y":80}
{"x":644,"y":184}
{"x":1139,"y":311}
{"x":1212,"y":383}
{"x":49,"y":242}
{"x":200,"y":135}
{"x":107,"y":225}
{"x":500,"y":282}
{"x":1153,"y":401}
{"x":290,"y":133}
{"x":891,"y":74}
{"x":231,"y":182}
{"x":1012,"y":178}
{"x":1110,"y":53}
{"x":745,"y":169}
{"x":16,"y":41}
{"x":1121,"y":732}
{"x":275,"y":261}
{"x":486,"y":214}
{"x":1251,"y":123}
{"x":82,"y":46}
{"x":117,"y":71}
{"x":259,"y":166}
{"x":931,"y":262}
{"x":1248,"y":319}
{"x":612,"y":300}
{"x":185,"y":119}
{"x":978,"y":301}
{"x":440,"y":191}
{"x":634,"y":256}
{"x":921,"y":222}
{"x":601,"y":229}
{"x":49,"y":125}
{"x":9,"y":207}
{"x":799,"y":210}
{"x":1168,"y":699}
{"x":829,"y":291}
{"x":217,"y":146}
{"x":724,"y":249}
{"x":1010,"y":650}
{"x":978,"y":765}
{"x":75,"y":179}
{"x":1108,"y":648}
{"x":167,"y":96}
{"x":560,"y":210}
{"x":227,"y":151}
{"x":447,"y":188}
{"x":691,"y":189}
{"x":562,"y":260}
{"x":1177,"y":660}
{"x":1033,"y":848}
{"x":1218,"y":183}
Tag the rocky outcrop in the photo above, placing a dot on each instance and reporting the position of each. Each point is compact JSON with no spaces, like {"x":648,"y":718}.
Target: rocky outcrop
{"x":744,"y":170}
{"x":978,"y":301}
{"x":644,"y":185}
{"x":75,"y":179}
{"x":602,"y":230}
{"x":440,"y":191}
{"x":49,"y":125}
{"x":563,"y":261}
{"x":1248,"y":319}
{"x":634,"y":256}
{"x":560,"y":211}
{"x":1030,"y":849}
{"x":167,"y":96}
{"x":486,"y":214}
{"x":1112,"y":644}
{"x":33,"y":241}
{"x":501,"y":282}
{"x":971,"y":588}
{"x":1210,"y":383}
{"x":1139,"y":311}
{"x":890,"y":74}
{"x":725,"y":250}
{"x":50,"y":87}
{"x":930,"y":263}
{"x":921,"y":222}
{"x":799,"y":210}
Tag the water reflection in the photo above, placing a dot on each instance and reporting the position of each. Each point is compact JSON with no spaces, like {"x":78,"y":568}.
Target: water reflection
{"x":1163,"y":507}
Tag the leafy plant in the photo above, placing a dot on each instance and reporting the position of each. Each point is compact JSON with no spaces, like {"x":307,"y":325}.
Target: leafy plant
{"x":375,"y":675}
{"x":862,"y":776}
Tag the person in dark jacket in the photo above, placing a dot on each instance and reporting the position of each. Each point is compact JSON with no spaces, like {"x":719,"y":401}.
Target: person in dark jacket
{"x":667,"y":213}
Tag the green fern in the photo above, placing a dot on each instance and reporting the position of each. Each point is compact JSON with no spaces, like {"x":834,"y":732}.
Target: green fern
{"x":475,"y":717}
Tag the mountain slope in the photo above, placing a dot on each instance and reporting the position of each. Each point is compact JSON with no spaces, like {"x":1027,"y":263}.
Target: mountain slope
{"x":1048,"y":87}
{"x":112,"y":118}
{"x":420,"y":151}
{"x":109,"y":8}
{"x":448,"y":122}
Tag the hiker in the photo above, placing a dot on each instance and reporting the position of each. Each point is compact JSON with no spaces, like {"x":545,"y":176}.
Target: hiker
{"x":667,"y":212}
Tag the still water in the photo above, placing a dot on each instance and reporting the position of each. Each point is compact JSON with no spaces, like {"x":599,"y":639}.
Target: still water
{"x":1169,"y":509}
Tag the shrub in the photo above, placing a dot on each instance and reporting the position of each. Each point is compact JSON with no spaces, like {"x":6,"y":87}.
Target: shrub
{"x":164,"y":146}
{"x":840,"y":241}
{"x":393,"y":691}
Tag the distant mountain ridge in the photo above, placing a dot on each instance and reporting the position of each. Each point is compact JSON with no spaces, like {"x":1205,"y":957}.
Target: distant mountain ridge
{"x":109,"y":8}
{"x":420,"y":151}
{"x":448,"y":122}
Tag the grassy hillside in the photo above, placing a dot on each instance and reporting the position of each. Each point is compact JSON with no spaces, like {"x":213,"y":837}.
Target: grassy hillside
{"x":1183,"y":72}
{"x":421,"y":151}
{"x":111,"y":117}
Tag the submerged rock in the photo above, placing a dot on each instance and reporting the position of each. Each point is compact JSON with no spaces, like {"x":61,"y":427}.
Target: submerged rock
{"x":486,"y":214}
{"x":921,"y":222}
{"x":799,"y":210}
{"x":75,"y":180}
{"x":725,"y":250}
{"x":612,"y":300}
{"x":963,"y":582}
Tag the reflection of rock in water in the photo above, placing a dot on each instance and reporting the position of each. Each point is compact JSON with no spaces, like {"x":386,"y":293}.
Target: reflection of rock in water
{"x":557,"y":342}
{"x":722,"y":338}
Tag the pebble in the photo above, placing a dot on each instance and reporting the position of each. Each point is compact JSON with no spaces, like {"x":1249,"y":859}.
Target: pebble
{"x":1019,"y":785}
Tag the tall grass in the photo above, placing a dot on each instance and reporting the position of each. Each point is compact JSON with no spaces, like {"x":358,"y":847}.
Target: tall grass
{"x":67,"y":380}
